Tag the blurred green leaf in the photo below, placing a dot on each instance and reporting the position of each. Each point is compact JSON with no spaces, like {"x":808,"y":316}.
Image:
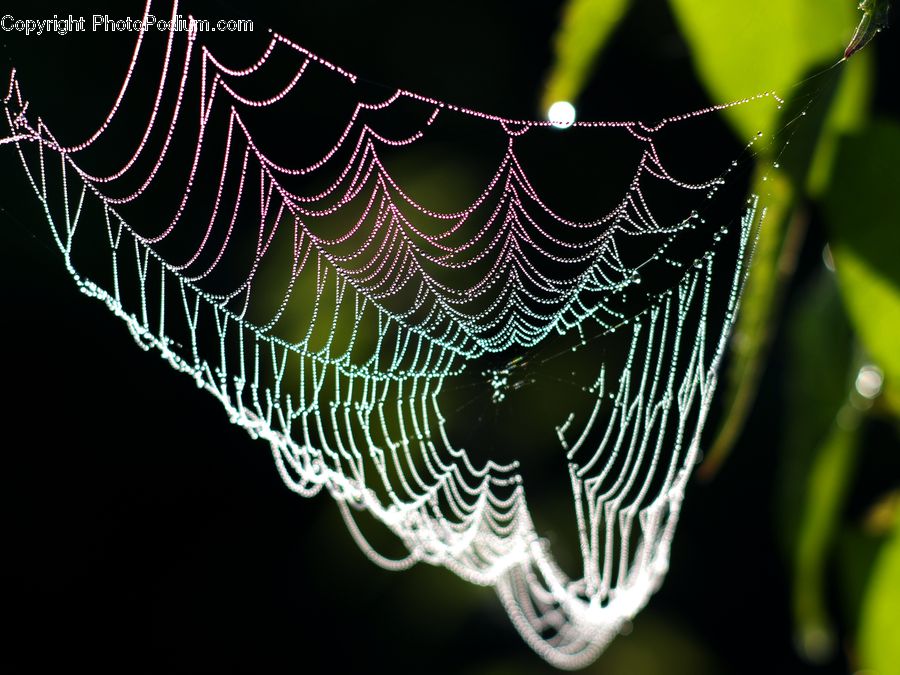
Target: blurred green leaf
{"x":847,"y":115}
{"x":858,"y":547}
{"x":879,"y":648}
{"x":821,"y":108}
{"x":817,"y":375}
{"x":831,"y":474}
{"x":862,"y":209}
{"x":780,"y":186}
{"x":857,"y":550}
{"x":818,"y":453}
{"x":770,"y":45}
{"x":586,"y":25}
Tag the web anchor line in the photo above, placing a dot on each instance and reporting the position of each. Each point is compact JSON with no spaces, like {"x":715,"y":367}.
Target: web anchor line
{"x":329,"y":312}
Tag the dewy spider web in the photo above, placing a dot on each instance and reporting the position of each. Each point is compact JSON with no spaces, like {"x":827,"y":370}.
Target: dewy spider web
{"x":386,"y":305}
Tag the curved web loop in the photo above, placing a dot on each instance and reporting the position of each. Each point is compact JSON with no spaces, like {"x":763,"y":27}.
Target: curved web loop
{"x":330,"y":312}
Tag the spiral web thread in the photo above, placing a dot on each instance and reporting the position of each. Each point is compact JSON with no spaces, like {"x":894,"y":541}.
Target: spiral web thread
{"x":360,"y":415}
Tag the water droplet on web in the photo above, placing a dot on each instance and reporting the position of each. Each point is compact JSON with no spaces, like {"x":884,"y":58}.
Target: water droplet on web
{"x":561,"y":114}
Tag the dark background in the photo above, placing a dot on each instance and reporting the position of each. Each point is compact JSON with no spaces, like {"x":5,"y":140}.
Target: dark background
{"x":142,"y":533}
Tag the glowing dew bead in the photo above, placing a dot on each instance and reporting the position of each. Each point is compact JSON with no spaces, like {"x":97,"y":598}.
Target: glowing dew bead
{"x":561,"y":114}
{"x":869,"y":381}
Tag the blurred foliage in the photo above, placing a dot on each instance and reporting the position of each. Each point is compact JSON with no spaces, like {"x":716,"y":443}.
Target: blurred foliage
{"x":818,"y":456}
{"x":824,"y":154}
{"x":830,"y":474}
{"x":582,"y":34}
{"x":771,"y":46}
{"x":792,"y":168}
{"x":863,"y":214}
{"x":880,"y":621}
{"x":817,"y":332}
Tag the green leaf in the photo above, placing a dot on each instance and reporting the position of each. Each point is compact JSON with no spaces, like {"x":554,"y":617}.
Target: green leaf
{"x":830,"y":476}
{"x":821,"y":109}
{"x":818,"y":373}
{"x":586,"y":25}
{"x":862,"y":210}
{"x":857,"y":550}
{"x":744,"y":48}
{"x":879,"y":648}
{"x":818,"y":452}
{"x":845,"y":116}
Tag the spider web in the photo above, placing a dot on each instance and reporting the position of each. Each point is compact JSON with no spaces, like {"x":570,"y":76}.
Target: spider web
{"x":300,"y":280}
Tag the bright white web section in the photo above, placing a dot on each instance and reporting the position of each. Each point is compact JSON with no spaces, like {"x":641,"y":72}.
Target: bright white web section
{"x":327,"y":310}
